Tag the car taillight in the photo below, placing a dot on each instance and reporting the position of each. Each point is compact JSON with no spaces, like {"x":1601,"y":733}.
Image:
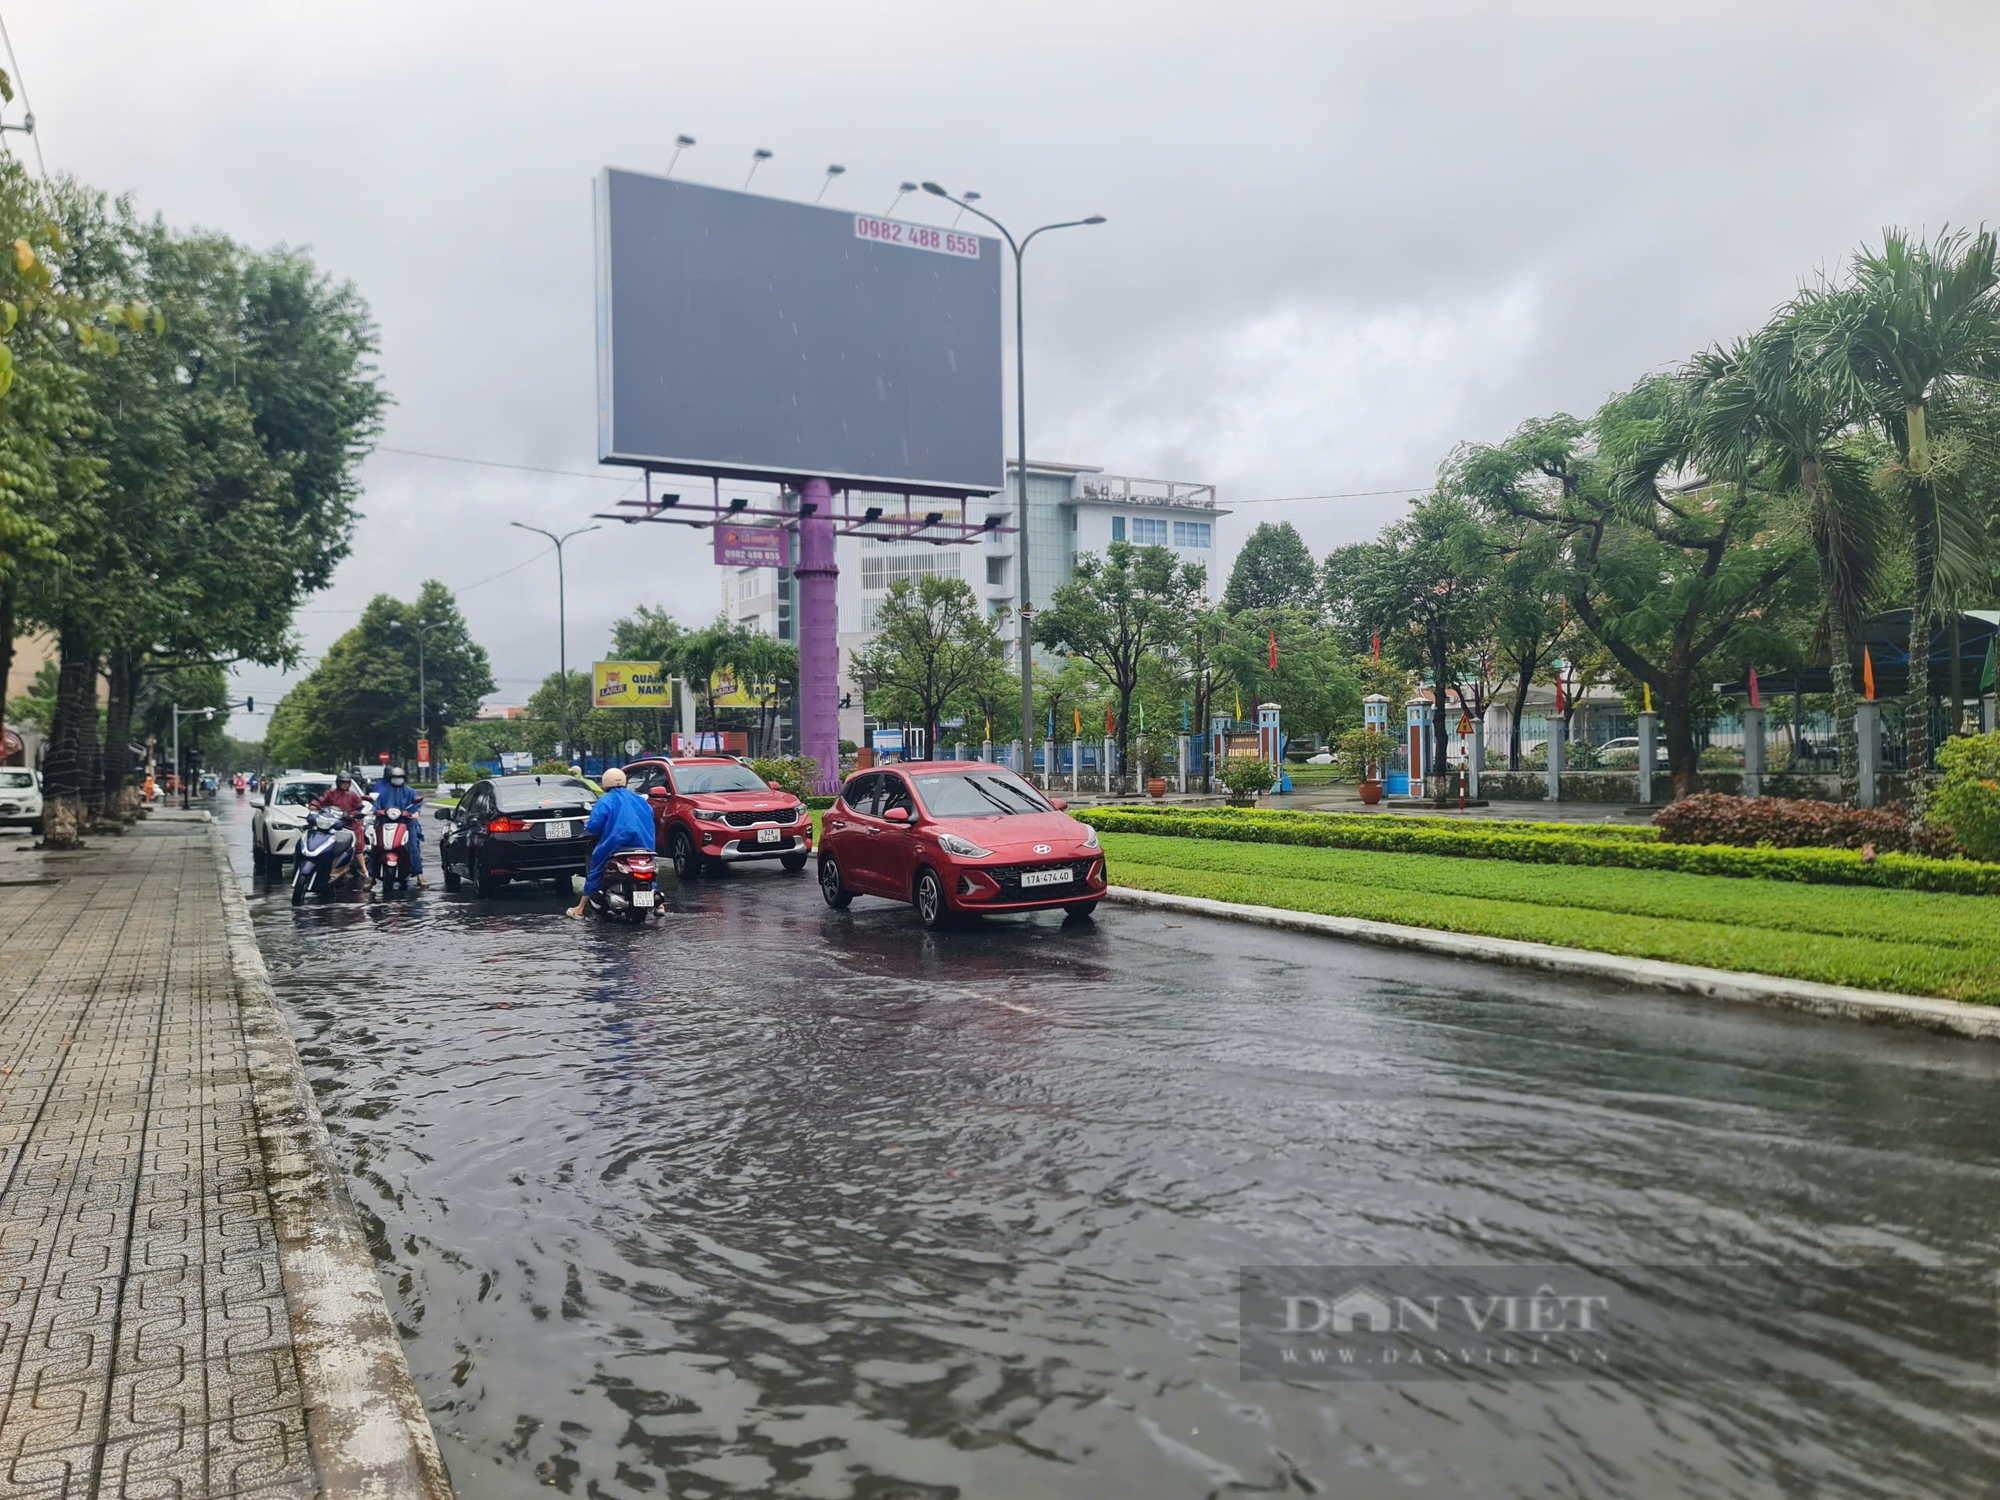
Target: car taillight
{"x":508,"y":825}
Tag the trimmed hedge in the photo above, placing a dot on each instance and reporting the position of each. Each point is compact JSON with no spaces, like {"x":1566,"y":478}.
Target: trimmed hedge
{"x":1467,"y":840}
{"x":1781,"y":823}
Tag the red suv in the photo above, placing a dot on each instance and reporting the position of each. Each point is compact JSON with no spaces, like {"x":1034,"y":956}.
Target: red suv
{"x":717,"y":811}
{"x":957,"y":838}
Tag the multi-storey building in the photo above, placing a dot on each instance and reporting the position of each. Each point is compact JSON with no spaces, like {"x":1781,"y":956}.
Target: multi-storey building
{"x":1072,"y":509}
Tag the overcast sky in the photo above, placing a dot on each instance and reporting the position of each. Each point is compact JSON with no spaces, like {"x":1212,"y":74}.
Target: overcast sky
{"x":1342,"y":236}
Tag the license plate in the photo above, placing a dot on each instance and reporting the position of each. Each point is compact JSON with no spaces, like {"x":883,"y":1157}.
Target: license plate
{"x":555,"y":830}
{"x":769,"y":835}
{"x":642,"y":898}
{"x":1047,"y":877}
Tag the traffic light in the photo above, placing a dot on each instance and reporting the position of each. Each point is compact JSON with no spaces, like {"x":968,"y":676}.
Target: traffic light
{"x":249,"y":705}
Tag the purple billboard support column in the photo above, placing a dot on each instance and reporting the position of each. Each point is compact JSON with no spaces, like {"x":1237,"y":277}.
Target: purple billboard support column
{"x":818,"y":575}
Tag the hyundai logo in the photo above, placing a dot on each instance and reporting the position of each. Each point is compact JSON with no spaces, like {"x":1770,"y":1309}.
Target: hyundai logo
{"x":1041,"y":848}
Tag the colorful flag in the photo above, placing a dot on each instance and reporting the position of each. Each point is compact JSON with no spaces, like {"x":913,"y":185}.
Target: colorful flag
{"x":1756,"y":698}
{"x":1867,"y":675}
{"x":1378,"y":648}
{"x":1274,"y":648}
{"x":1239,"y":703}
{"x":1561,"y":707}
{"x":1990,"y":673}
{"x":1077,"y":714}
{"x":989,"y":729}
{"x":1142,"y":718}
{"x":1052,"y":723}
{"x":1647,"y":689}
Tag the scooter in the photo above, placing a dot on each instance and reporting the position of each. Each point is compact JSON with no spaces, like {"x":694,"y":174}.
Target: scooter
{"x":389,"y":847}
{"x":629,"y":890}
{"x":327,"y":857}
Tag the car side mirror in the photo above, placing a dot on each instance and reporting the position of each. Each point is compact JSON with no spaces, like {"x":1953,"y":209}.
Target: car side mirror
{"x":897,"y":815}
{"x":658,"y":793}
{"x":1058,"y":804}
{"x":774,"y":786}
{"x":446,"y":814}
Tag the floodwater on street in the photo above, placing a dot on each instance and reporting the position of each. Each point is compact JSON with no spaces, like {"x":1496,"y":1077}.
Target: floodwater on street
{"x":767,"y":1199}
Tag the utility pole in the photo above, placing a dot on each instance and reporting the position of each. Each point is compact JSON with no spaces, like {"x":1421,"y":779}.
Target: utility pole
{"x":562,"y":624}
{"x":1020,"y":249}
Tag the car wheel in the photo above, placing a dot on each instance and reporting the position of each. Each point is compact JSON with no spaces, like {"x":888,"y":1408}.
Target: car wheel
{"x":687,"y":863}
{"x":256,"y":856}
{"x":450,"y":876}
{"x":838,"y":896}
{"x":792,"y":862}
{"x":929,"y":901}
{"x":1081,"y":908}
{"x":489,"y":885}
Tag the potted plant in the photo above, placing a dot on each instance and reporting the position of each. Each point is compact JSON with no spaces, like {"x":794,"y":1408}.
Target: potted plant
{"x":1153,"y":766}
{"x":1246,"y":778}
{"x":1364,"y":755}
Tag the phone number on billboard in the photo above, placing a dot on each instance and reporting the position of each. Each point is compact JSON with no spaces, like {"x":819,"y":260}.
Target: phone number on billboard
{"x":916,"y":236}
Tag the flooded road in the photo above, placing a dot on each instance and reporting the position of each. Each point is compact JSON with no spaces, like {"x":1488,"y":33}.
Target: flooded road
{"x":771,"y":1200}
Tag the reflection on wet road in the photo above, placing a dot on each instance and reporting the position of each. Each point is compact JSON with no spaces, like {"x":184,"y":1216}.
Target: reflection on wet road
{"x":770,"y":1200}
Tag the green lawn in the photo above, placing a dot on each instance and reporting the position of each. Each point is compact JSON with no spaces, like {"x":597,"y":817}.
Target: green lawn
{"x":1911,"y":942}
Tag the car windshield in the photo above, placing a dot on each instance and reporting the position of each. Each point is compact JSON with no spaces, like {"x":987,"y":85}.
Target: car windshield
{"x":978,"y":794}
{"x":527,"y":793}
{"x":300,"y":793}
{"x":694,"y":781}
{"x":17,"y":778}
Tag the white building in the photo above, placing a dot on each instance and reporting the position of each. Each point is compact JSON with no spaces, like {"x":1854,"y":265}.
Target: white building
{"x":1072,"y":509}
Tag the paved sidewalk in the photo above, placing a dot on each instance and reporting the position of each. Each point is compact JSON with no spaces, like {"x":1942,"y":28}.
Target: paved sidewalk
{"x":173,"y":1321}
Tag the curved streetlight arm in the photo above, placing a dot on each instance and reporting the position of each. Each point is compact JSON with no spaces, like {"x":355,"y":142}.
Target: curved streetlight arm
{"x":562,"y":626}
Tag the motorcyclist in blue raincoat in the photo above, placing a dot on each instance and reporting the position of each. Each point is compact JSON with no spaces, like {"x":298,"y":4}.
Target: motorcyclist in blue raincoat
{"x":621,"y":821}
{"x":394,"y":791}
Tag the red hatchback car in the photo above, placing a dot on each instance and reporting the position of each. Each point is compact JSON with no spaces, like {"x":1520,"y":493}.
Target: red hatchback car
{"x":717,"y":811}
{"x":957,"y":838}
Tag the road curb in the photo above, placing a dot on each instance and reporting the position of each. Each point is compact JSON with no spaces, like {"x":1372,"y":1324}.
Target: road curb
{"x":1951,"y":1016}
{"x":365,"y":1423}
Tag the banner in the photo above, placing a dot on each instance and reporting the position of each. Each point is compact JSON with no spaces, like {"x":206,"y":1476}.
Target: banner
{"x":750,"y":546}
{"x":630,"y":684}
{"x":733,"y":690}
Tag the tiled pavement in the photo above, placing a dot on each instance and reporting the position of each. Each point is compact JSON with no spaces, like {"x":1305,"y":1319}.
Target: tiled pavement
{"x":147,"y":1346}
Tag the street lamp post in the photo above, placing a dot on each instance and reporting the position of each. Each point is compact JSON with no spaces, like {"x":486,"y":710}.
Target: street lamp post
{"x":248,"y":705}
{"x":562,"y":630}
{"x":1020,"y":248}
{"x":420,"y":631}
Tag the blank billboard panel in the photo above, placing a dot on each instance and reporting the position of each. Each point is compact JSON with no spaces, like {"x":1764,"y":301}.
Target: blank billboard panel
{"x":747,"y":336}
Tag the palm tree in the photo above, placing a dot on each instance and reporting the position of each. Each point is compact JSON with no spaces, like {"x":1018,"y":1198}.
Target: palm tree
{"x":1917,"y":321}
{"x":1765,"y":406}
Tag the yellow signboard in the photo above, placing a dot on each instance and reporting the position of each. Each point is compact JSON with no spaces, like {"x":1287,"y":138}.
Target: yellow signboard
{"x":733,"y":690}
{"x":630,"y":684}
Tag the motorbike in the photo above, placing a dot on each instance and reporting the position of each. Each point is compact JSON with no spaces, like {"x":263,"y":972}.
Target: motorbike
{"x":629,"y":890}
{"x":389,"y":834}
{"x":327,"y":857}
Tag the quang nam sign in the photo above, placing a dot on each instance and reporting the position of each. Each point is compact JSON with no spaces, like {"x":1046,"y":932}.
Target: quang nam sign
{"x":750,"y":547}
{"x":630,"y":684}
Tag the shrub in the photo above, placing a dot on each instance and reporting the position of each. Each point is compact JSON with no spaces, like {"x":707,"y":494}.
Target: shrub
{"x":1620,"y":760}
{"x":1365,"y":752}
{"x":1720,"y":758}
{"x":1562,"y":847}
{"x":1781,"y":823}
{"x":460,"y":771}
{"x":1967,"y":806}
{"x":1246,"y":778}
{"x":548,"y":768}
{"x":795,"y":773}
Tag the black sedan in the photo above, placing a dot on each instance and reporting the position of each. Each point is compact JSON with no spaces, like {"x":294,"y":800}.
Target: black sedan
{"x":516,"y":828}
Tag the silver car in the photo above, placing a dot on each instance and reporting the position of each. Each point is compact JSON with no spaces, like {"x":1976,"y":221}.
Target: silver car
{"x":280,"y":814}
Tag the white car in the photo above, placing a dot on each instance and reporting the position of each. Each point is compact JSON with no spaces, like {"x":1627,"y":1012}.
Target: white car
{"x":20,"y":799}
{"x":1324,"y":758}
{"x":278,"y":817}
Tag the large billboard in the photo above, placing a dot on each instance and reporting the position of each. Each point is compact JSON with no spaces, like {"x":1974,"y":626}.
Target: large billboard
{"x":746,"y":336}
{"x":630,"y":684}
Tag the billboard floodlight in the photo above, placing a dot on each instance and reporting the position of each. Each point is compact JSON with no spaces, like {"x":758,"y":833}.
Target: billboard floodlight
{"x":681,"y":143}
{"x":757,"y":159}
{"x":833,"y":170}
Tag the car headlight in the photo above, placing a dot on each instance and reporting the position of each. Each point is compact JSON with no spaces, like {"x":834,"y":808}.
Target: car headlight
{"x":951,"y":843}
{"x":706,"y":816}
{"x":1089,"y":837}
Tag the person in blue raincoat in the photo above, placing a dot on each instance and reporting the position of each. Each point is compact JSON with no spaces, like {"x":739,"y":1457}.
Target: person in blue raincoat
{"x":394,"y":790}
{"x":621,"y":821}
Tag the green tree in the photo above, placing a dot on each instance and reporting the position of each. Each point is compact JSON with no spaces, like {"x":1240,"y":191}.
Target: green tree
{"x":1115,"y":611}
{"x":933,"y":640}
{"x":1527,"y":618}
{"x":1275,"y":570}
{"x":1916,"y":320}
{"x":1315,"y":688}
{"x":1428,"y":587}
{"x":1666,"y":575}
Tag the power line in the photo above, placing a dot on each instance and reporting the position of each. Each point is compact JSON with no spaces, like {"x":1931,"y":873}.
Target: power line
{"x":1408,"y":489}
{"x":494,"y":463}
{"x":27,"y":108}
